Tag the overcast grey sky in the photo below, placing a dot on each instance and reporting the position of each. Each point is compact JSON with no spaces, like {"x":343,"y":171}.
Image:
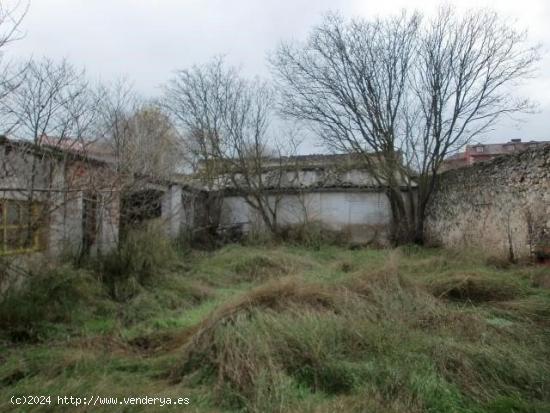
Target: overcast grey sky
{"x":146,"y":40}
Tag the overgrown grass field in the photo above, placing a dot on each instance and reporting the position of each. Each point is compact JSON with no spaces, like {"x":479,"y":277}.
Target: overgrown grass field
{"x":285,"y":328}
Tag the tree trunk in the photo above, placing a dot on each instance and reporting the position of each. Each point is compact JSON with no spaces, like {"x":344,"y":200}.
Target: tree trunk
{"x":400,"y":226}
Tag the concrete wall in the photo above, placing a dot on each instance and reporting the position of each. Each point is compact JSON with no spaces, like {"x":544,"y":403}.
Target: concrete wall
{"x":72,"y":183}
{"x":501,"y":207}
{"x":363,"y":215}
{"x":338,"y":195}
{"x":109,"y":223}
{"x":172,"y":210}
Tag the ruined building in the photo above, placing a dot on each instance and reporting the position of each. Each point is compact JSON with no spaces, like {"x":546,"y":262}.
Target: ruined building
{"x":55,"y":198}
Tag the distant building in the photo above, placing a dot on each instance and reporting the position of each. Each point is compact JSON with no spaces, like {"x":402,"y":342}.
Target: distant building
{"x":485,"y":152}
{"x":336,"y":192}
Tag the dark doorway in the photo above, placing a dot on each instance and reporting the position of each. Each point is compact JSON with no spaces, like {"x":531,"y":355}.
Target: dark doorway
{"x":139,"y":207}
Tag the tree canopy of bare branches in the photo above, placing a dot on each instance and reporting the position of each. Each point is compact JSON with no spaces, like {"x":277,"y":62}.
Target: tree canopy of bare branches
{"x":152,"y":149}
{"x":198,"y":100}
{"x":404,"y":92}
{"x":224,"y":123}
{"x":119,"y":102}
{"x":137,"y":133}
{"x":53,"y":99}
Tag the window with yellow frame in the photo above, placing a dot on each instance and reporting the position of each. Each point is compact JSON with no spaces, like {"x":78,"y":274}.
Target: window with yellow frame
{"x":19,"y":227}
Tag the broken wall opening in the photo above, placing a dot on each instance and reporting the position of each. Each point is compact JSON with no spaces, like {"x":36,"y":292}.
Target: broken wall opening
{"x":139,"y":207}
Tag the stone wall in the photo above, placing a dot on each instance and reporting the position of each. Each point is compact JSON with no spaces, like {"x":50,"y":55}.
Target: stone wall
{"x":501,"y":207}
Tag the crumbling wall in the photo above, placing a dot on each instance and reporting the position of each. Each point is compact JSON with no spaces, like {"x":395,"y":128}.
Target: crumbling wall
{"x":501,"y":207}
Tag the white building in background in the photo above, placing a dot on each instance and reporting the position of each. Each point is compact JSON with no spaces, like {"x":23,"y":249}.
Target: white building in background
{"x":335,"y":192}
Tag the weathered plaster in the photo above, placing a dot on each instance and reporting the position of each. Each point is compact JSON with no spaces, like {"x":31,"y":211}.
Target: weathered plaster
{"x":363,"y":215}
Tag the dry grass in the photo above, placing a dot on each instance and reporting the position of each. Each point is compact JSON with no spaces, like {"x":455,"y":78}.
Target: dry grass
{"x":257,"y":350}
{"x":258,"y":268}
{"x":294,"y":329}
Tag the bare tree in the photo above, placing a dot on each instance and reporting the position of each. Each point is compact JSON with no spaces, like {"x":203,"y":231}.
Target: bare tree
{"x":224,"y":121}
{"x":11,"y":17}
{"x":53,"y":100}
{"x":196,"y":99}
{"x":137,"y":134}
{"x":403,"y":92}
{"x":462,"y":84}
{"x":259,"y":162}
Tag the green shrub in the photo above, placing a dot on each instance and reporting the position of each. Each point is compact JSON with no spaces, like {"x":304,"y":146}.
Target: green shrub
{"x":142,"y":254}
{"x":57,"y":296}
{"x":313,"y":235}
